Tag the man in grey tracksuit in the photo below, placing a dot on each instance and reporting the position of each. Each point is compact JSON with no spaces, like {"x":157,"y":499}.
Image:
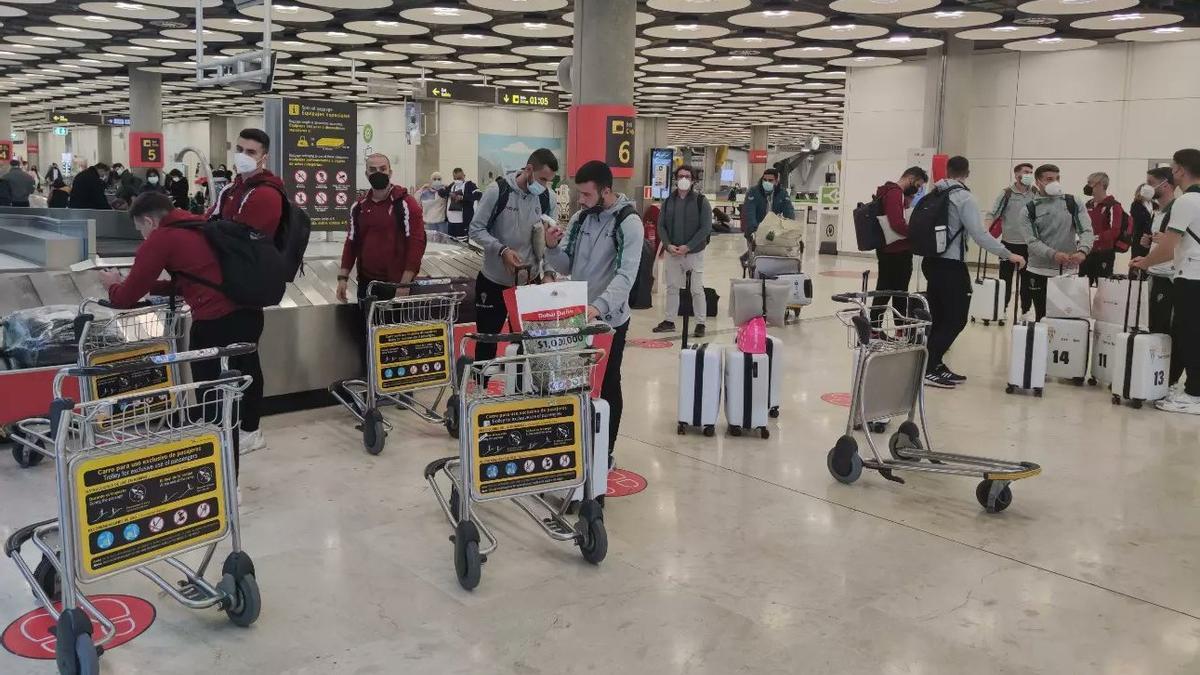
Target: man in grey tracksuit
{"x":602,"y":245}
{"x":684,"y":226}
{"x":507,"y":238}
{"x":1059,"y":234}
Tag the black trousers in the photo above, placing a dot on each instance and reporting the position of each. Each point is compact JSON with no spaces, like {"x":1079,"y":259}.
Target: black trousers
{"x":610,"y":388}
{"x":1035,"y":285}
{"x":1161,"y":315}
{"x":1098,"y":264}
{"x":381,"y":293}
{"x":895,"y":273}
{"x":490,"y":313}
{"x":243,"y":325}
{"x":1006,"y":273}
{"x":949,"y":294}
{"x":1186,"y":336}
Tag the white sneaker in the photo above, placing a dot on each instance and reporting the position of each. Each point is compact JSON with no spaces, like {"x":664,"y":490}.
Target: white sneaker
{"x":1177,"y":390}
{"x":249,"y":441}
{"x":1184,"y":403}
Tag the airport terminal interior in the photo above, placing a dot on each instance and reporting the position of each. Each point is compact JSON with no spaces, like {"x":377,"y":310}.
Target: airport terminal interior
{"x":453,"y":254}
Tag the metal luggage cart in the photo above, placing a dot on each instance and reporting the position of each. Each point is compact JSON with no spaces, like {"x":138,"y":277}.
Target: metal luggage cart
{"x":140,"y":484}
{"x":890,"y":359}
{"x":409,"y":340}
{"x":530,"y":446}
{"x":149,"y":329}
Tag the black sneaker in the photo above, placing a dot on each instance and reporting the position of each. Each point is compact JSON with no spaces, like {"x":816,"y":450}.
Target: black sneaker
{"x":665,"y":327}
{"x":949,"y":374}
{"x":699,"y":331}
{"x":937,"y":380}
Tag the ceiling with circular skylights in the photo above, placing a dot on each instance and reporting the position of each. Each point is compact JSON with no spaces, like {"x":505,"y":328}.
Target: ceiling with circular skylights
{"x":713,"y":67}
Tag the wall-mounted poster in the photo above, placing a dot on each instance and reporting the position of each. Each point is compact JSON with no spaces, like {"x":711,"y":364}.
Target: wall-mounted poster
{"x":501,"y":153}
{"x":660,"y":172}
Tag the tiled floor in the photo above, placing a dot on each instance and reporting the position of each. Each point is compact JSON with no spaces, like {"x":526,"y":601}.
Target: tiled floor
{"x":742,"y":556}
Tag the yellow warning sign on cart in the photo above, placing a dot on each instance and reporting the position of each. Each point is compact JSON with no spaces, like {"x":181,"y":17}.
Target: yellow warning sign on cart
{"x":412,"y":357}
{"x":145,"y":504}
{"x":530,"y":445}
{"x":132,"y":383}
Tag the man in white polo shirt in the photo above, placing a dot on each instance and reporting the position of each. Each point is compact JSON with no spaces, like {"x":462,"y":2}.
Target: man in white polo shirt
{"x":1181,"y":243}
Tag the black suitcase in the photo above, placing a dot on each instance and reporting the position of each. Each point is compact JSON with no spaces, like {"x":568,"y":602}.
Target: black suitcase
{"x":641,"y":296}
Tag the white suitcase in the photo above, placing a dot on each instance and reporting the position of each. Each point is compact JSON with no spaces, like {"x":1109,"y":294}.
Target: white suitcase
{"x":774,"y":374}
{"x":1141,"y":360}
{"x":1104,"y":341}
{"x":801,"y":289}
{"x":1070,"y":344}
{"x":515,"y":379}
{"x":600,"y":412}
{"x":987,"y":301}
{"x":746,"y":391}
{"x":1027,"y":358}
{"x":699,"y":388}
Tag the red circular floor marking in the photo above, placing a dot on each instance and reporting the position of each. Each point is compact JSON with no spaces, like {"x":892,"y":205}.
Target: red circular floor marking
{"x":847,"y":274}
{"x":622,"y":483}
{"x":841,"y":398}
{"x":32,"y":635}
{"x":650,"y":343}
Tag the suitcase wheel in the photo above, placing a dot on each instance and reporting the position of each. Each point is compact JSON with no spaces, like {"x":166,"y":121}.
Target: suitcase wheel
{"x":972,"y":319}
{"x":1137,"y":404}
{"x":1001,"y":322}
{"x":1010,"y":389}
{"x":1037,"y":391}
{"x":710,"y":430}
{"x":1116,"y":399}
{"x":764,"y":432}
{"x":1078,"y":381}
{"x":735,"y":431}
{"x":986,"y":322}
{"x":681,"y":428}
{"x":1092,"y":381}
{"x":773,"y":412}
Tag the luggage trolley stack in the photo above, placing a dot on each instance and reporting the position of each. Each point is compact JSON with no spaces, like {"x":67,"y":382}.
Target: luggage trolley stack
{"x":890,"y":360}
{"x":139,"y":484}
{"x":408,"y":350}
{"x":524,"y":446}
{"x":150,"y":329}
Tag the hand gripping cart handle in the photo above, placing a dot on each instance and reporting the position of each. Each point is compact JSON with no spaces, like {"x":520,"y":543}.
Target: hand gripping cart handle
{"x":888,"y":380}
{"x":409,"y":339}
{"x":139,"y":485}
{"x":531,"y":445}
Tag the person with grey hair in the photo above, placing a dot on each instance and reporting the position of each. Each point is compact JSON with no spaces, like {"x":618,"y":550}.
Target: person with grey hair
{"x":433,"y":204}
{"x":1112,"y":226}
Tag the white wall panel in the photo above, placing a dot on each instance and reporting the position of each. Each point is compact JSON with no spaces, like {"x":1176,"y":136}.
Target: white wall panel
{"x":1165,"y":70}
{"x":882,"y":134}
{"x":994,"y":79}
{"x":1069,"y":130}
{"x":1157,"y":128}
{"x":1096,"y":74}
{"x":899,"y":87}
{"x":990,"y":133}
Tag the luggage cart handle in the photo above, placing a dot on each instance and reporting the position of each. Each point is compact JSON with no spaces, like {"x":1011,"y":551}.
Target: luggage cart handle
{"x":590,"y":329}
{"x":105,"y":303}
{"x":235,"y":349}
{"x":417,"y":283}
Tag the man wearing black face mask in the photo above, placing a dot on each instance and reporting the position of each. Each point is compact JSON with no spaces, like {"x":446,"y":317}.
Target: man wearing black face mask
{"x":1112,"y":226}
{"x":896,"y":258}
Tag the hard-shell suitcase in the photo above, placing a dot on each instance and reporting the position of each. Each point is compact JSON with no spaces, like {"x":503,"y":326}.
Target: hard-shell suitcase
{"x":746,"y":391}
{"x":1070,"y":345}
{"x":699,"y":388}
{"x":515,"y":378}
{"x":1141,"y":360}
{"x":600,"y":413}
{"x":1104,"y":343}
{"x":1027,"y":356}
{"x":774,"y":374}
{"x":987,"y":296}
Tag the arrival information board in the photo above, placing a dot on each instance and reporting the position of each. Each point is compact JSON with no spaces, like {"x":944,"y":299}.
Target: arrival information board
{"x":145,"y":504}
{"x":530,"y":445}
{"x":412,"y":357}
{"x":318,"y":153}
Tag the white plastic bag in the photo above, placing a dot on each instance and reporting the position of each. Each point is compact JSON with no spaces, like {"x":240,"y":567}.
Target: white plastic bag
{"x":1068,"y":296}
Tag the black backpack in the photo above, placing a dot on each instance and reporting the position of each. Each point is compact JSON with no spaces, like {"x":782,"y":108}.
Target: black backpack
{"x":253,"y":269}
{"x":866,"y":224}
{"x":929,"y":225}
{"x":1072,"y":208}
{"x":504,"y":189}
{"x":291,"y":237}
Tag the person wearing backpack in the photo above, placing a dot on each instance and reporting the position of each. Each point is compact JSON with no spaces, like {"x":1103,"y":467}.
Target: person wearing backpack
{"x":175,"y":242}
{"x":1111,"y":224}
{"x":1008,"y":220}
{"x":503,"y":227}
{"x":1058,"y":234}
{"x":603,"y":246}
{"x":938,"y":229}
{"x":684,"y":226}
{"x":1181,"y":245}
{"x":896,"y":259}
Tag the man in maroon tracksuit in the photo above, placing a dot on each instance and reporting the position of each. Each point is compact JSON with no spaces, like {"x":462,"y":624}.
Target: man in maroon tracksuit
{"x":1109,"y":224}
{"x":896,"y":258}
{"x":173,"y":246}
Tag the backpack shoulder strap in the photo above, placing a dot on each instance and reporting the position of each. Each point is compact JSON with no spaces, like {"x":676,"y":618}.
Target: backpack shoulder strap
{"x":544,"y":200}
{"x":1072,"y":207}
{"x":502,"y":192}
{"x":403,"y":216}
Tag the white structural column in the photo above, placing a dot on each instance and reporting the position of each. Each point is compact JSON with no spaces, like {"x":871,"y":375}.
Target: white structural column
{"x":145,"y":108}
{"x":948,"y":96}
{"x":651,"y":133}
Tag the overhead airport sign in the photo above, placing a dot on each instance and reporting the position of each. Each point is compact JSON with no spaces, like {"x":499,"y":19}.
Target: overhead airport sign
{"x":526,"y":98}
{"x":460,"y":92}
{"x":89,"y":119}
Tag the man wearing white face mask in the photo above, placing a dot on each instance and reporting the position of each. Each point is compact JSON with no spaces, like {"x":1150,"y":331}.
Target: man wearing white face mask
{"x":242,"y":200}
{"x":684,"y":227}
{"x":1058,"y":233}
{"x":433,"y":203}
{"x":1009,"y":213}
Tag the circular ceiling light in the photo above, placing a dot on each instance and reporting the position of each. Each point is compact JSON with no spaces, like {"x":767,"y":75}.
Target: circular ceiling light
{"x":90,"y":63}
{"x":498,"y":58}
{"x":864,"y":61}
{"x":1124,"y":21}
{"x":1050,"y":44}
{"x":454,"y":16}
{"x":12,"y":12}
{"x":288,"y":13}
{"x":813,"y":86}
{"x":1171,"y":34}
{"x":508,"y":72}
{"x":335,"y":37}
{"x":882,"y":6}
{"x":239,"y":25}
{"x":677,"y":52}
{"x":473,"y":40}
{"x":843,"y":31}
{"x":139,"y":50}
{"x":771,"y":80}
{"x":543,"y":51}
{"x":69,"y":33}
{"x":444,"y":64}
{"x":421,"y":48}
{"x":519,"y":5}
{"x":698,"y":6}
{"x":332,"y":62}
{"x":949,"y":19}
{"x":534,"y":30}
{"x":373,"y":55}
{"x":15,"y":56}
{"x":813,"y":52}
{"x":671,"y":67}
{"x":900,"y":43}
{"x":94,"y":21}
{"x":398,"y":70}
{"x":189,"y":5}
{"x":828,"y":75}
{"x":189,"y":35}
{"x":349,"y":4}
{"x":29,"y":49}
{"x":714,"y":85}
{"x":666,"y":79}
{"x":640,"y":19}
{"x":782,"y":18}
{"x":164,"y":43}
{"x":385,"y":28}
{"x":115,"y":57}
{"x":736,"y":61}
{"x":725,"y":74}
{"x":686,"y":31}
{"x":791,"y":68}
{"x":662,"y":90}
{"x":1075,"y":6}
{"x":753,"y":42}
{"x":299,"y":47}
{"x":1005,"y":33}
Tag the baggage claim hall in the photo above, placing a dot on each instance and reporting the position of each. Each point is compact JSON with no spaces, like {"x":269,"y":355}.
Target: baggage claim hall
{"x":579,"y":336}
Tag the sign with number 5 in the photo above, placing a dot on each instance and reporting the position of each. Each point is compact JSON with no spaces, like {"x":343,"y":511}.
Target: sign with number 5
{"x":146,"y":150}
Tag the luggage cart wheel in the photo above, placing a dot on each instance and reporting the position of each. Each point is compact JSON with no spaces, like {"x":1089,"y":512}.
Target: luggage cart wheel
{"x":468,"y":565}
{"x":1092,"y":381}
{"x":994,"y":496}
{"x":245,"y":601}
{"x":843,"y":460}
{"x":710,"y":430}
{"x":1116,"y":399}
{"x":373,"y":432}
{"x":877,"y":427}
{"x":25,"y":457}
{"x":1078,"y":381}
{"x":735,"y":431}
{"x":773,"y":412}
{"x":451,"y":416}
{"x":681,"y":428}
{"x":1037,"y":391}
{"x":764,"y":432}
{"x":590,"y":532}
{"x":1137,"y":404}
{"x":906,"y":437}
{"x":1009,"y":389}
{"x":47,"y":578}
{"x":74,"y":651}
